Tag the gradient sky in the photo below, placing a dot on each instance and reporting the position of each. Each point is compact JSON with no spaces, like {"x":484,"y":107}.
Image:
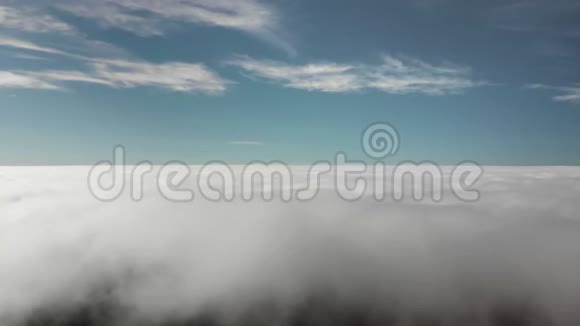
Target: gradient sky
{"x":496,"y":82}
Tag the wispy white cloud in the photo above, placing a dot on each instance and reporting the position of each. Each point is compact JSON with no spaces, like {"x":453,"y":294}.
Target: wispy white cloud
{"x":325,"y":77}
{"x":142,"y":17}
{"x":408,"y":75}
{"x":31,"y":20}
{"x":56,"y":76}
{"x":15,"y":80}
{"x":29,"y":46}
{"x":110,"y":15}
{"x":395,"y":75}
{"x":74,"y":48}
{"x":148,"y":17}
{"x":117,"y":73}
{"x":246,"y":15}
{"x":572,"y":94}
{"x":178,"y":77}
{"x":569,"y":93}
{"x":24,"y":56}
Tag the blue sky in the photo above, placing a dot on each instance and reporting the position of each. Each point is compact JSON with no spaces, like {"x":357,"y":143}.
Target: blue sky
{"x":496,"y":82}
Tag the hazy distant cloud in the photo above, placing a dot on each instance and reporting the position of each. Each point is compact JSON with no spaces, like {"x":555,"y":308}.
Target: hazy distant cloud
{"x":395,"y":75}
{"x":246,"y":143}
{"x":569,"y":93}
{"x":555,"y":17}
{"x":29,"y":20}
{"x":179,"y":77}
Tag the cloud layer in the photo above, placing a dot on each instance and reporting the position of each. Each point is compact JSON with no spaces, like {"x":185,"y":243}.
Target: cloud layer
{"x":510,"y":259}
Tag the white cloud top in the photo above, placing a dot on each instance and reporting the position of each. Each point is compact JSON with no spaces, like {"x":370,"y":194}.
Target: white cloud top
{"x":513,"y":252}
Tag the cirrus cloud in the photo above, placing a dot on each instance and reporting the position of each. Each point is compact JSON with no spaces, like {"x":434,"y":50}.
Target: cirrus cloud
{"x":10,"y":79}
{"x":29,"y":46}
{"x":174,"y":76}
{"x":31,"y":20}
{"x":246,"y":15}
{"x":395,"y":75}
{"x":569,"y":93}
{"x":143,"y":17}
